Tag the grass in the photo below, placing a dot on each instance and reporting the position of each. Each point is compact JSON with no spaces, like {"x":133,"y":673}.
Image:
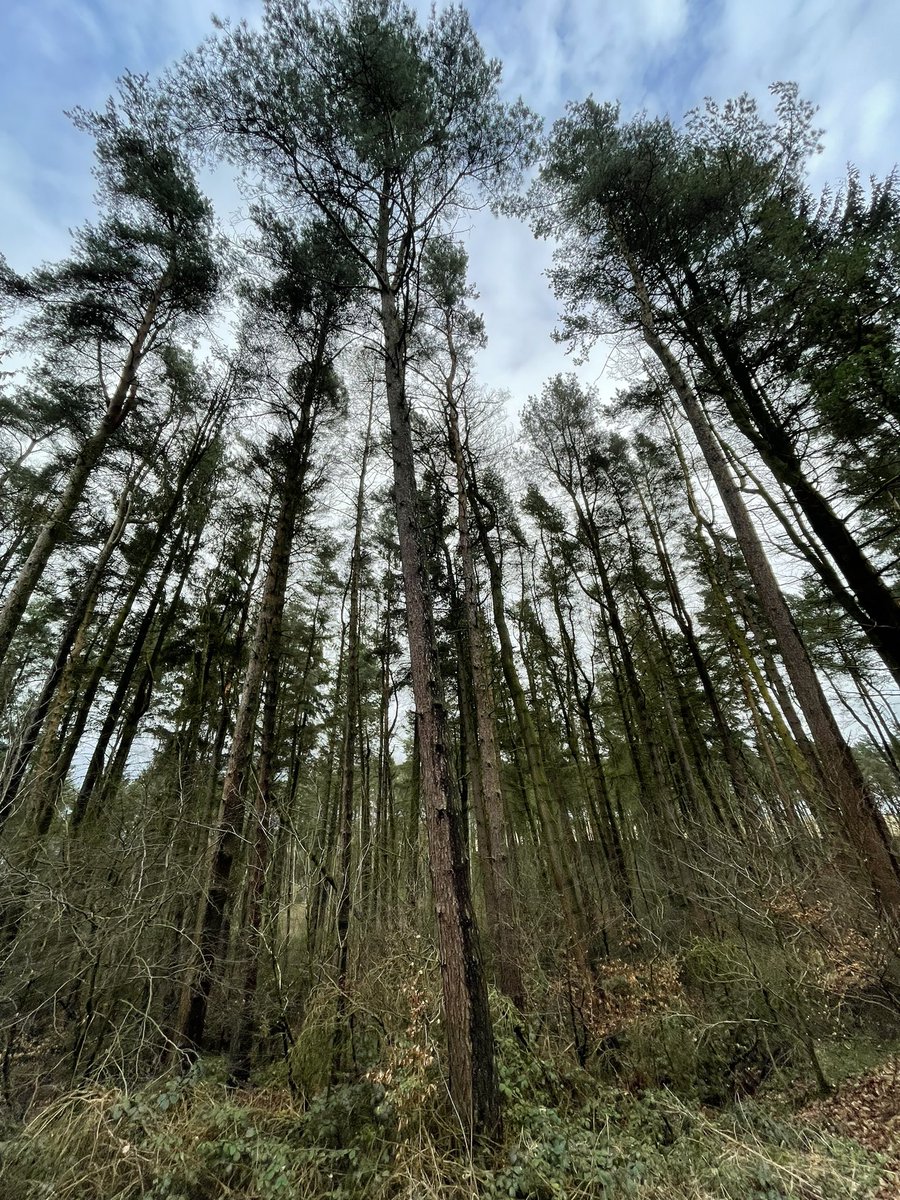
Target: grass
{"x":697,"y":1085}
{"x":189,"y":1138}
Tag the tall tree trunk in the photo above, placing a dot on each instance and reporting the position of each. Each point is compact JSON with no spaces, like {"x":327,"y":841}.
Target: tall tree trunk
{"x":548,"y":817}
{"x":730,"y":745}
{"x":348,"y":762}
{"x":78,"y":620}
{"x":56,"y":528}
{"x":227,"y":839}
{"x":55,"y":759}
{"x":326,"y":829}
{"x":94,"y":770}
{"x":862,"y":821}
{"x":754,"y":417}
{"x":606,"y":821}
{"x":243,"y":1025}
{"x":470,"y":1039}
{"x":148,"y":678}
{"x":495,"y":850}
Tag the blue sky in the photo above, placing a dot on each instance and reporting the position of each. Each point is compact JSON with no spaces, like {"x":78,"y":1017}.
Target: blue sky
{"x":662,"y":55}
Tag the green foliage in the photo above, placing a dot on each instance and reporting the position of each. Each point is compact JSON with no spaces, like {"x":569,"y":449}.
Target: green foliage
{"x":310,"y":1057}
{"x":149,"y":257}
{"x":567,"y":1138}
{"x":357,"y":107}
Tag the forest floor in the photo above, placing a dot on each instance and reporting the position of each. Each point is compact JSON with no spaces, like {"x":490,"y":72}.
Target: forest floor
{"x":865,"y":1108}
{"x":568,"y":1136}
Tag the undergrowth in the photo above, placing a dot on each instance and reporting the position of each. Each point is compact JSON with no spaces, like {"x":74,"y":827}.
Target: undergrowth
{"x":681,"y":1078}
{"x":387,"y":1136}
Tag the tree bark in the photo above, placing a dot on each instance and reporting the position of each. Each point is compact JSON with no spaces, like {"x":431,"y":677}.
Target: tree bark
{"x":348,"y":762}
{"x":495,"y":851}
{"x":470,"y":1040}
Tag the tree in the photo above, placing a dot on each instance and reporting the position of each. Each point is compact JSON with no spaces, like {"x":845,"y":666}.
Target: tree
{"x":733,"y":255}
{"x":387,"y":128}
{"x":457,"y":332}
{"x":310,"y":299}
{"x":147,"y":265}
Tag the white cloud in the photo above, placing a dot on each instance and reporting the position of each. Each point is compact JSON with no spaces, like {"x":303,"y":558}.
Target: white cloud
{"x":842,"y":55}
{"x":667,"y":19}
{"x":665,"y":55}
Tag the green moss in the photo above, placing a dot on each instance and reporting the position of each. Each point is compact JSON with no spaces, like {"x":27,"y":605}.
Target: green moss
{"x":848,"y":1056}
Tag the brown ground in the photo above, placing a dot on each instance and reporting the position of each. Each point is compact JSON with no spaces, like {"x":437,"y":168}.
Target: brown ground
{"x":867,"y":1108}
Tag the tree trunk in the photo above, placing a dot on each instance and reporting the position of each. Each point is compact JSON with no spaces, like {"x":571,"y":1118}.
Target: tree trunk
{"x":548,"y":818}
{"x":495,"y":851}
{"x":348,"y":762}
{"x":244,"y":1024}
{"x":863,"y":824}
{"x":227,"y":842}
{"x":78,"y":620}
{"x":98,"y":757}
{"x":56,"y":529}
{"x":470,"y":1040}
{"x":754,"y":418}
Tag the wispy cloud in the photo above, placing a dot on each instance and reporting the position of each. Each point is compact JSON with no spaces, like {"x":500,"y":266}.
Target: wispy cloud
{"x":662,"y":55}
{"x":665,"y":56}
{"x":58,"y":54}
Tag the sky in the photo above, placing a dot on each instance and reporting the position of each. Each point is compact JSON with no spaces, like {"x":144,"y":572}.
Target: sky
{"x":663,"y":56}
